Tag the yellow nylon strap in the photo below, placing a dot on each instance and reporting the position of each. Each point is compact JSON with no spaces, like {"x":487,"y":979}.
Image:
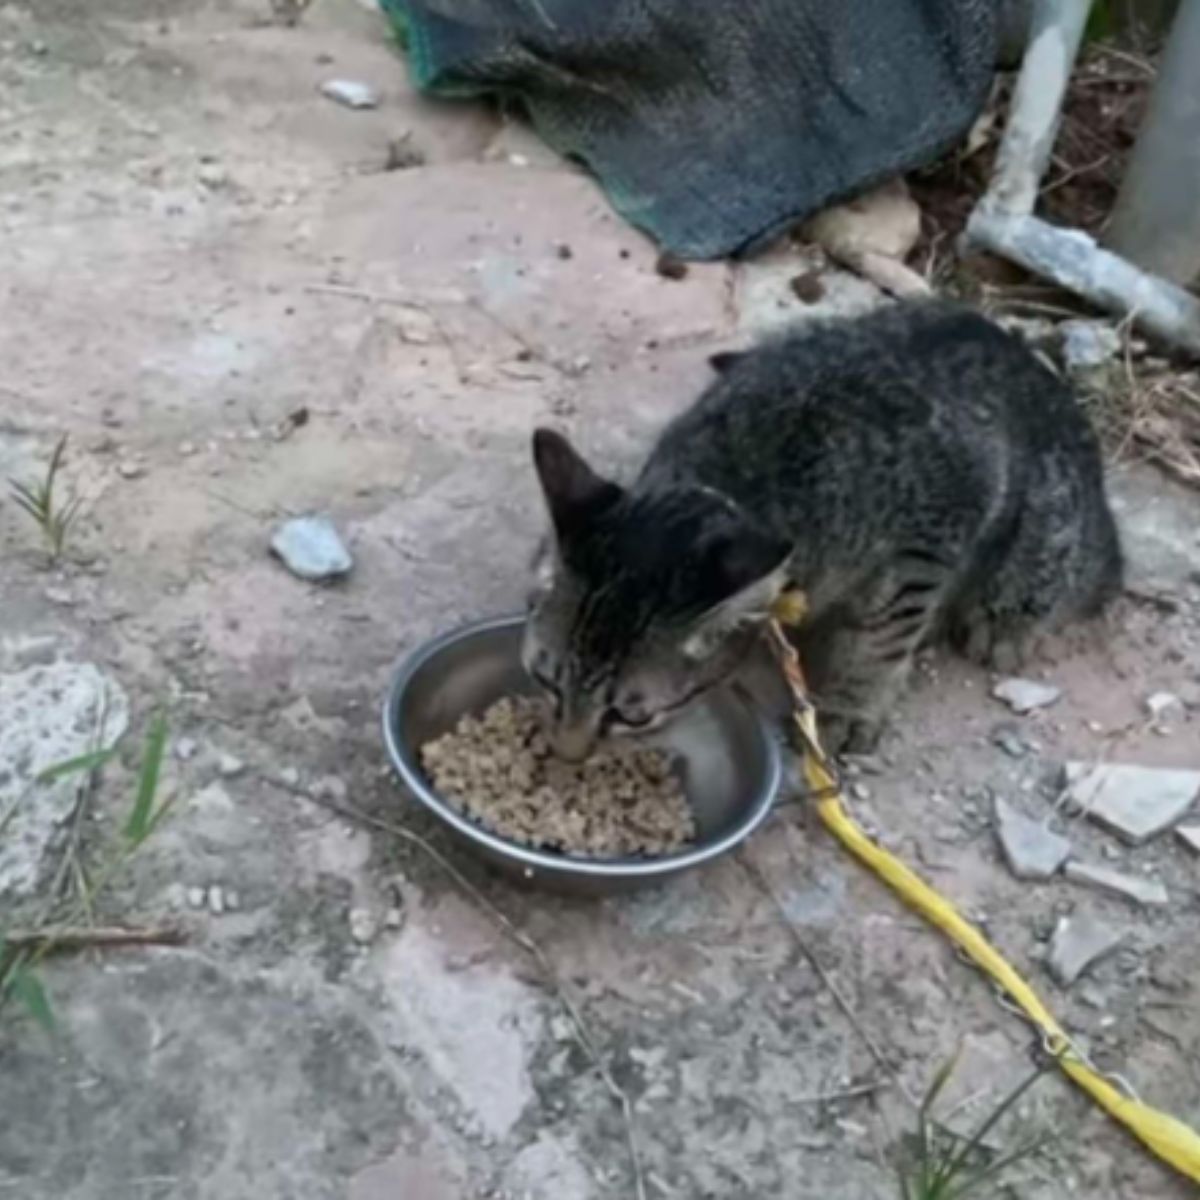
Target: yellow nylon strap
{"x":1170,"y":1139}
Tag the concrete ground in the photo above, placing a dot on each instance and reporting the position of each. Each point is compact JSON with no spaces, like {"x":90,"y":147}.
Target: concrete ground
{"x":198,"y":245}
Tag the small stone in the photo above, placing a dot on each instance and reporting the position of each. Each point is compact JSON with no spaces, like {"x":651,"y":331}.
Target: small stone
{"x":1088,"y":344}
{"x":63,"y":596}
{"x":1189,"y":835}
{"x":329,"y":787}
{"x":130,"y":470}
{"x":213,"y":176}
{"x":185,"y":749}
{"x":1031,"y":850}
{"x":350,"y":92}
{"x":1144,"y":891}
{"x":233,"y":900}
{"x":1164,"y":705}
{"x":861,"y":791}
{"x":1026,"y":695}
{"x":808,"y":287}
{"x":670,"y":266}
{"x":290,"y":776}
{"x":363,"y":926}
{"x":187,"y":449}
{"x":196,"y":897}
{"x":311,"y":549}
{"x":1010,"y":742}
{"x":1078,"y":942}
{"x":1136,"y":803}
{"x":216,"y":900}
{"x":228,"y":765}
{"x":393,"y":918}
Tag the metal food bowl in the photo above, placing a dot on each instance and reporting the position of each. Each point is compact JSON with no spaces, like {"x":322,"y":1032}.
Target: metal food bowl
{"x":727,"y":758}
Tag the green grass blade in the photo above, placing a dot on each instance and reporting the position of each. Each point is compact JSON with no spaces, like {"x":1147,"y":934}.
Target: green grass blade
{"x":986,"y":1174}
{"x":158,"y":814}
{"x":945,"y":1071}
{"x":71,"y":766}
{"x":141,"y":819}
{"x":973,"y":1142}
{"x":27,"y":499}
{"x":27,"y":988}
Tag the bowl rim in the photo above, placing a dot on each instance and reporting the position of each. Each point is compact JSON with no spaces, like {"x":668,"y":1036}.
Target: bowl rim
{"x":413,"y":778}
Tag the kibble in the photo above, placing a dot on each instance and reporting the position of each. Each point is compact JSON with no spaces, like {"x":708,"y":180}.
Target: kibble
{"x":498,"y":769}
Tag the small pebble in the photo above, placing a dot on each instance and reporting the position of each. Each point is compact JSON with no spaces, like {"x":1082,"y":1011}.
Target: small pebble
{"x":1010,"y":742}
{"x":363,"y":926}
{"x":329,"y":787}
{"x":311,"y":549}
{"x":130,"y":470}
{"x":350,"y":92}
{"x":393,"y":918}
{"x":213,"y":176}
{"x":185,"y":749}
{"x":196,"y":897}
{"x":233,"y":900}
{"x":1026,"y":695}
{"x":670,"y":266}
{"x":290,"y":776}
{"x":216,"y":900}
{"x":229,"y":765}
{"x":1164,"y":704}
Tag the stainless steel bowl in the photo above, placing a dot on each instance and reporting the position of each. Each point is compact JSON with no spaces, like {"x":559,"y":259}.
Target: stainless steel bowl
{"x":728,"y":759}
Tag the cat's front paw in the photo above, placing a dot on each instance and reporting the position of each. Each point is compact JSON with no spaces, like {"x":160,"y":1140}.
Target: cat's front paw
{"x":849,"y":735}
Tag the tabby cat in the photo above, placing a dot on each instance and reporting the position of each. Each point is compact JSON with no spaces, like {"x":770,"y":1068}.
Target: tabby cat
{"x":916,"y":471}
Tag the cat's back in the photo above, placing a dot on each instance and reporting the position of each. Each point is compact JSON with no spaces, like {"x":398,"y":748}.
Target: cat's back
{"x":904,"y":357}
{"x":932,"y":371}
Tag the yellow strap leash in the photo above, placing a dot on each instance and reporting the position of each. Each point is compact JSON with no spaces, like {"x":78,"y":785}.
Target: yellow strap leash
{"x":1171,"y":1140}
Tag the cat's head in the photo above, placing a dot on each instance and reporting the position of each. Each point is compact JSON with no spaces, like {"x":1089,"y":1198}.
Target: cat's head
{"x":641,"y":601}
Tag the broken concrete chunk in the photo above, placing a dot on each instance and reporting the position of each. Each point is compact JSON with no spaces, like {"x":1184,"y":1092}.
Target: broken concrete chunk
{"x":1078,"y":942}
{"x":1031,"y":850}
{"x":48,"y":715}
{"x":310,"y":548}
{"x":1133,"y":887}
{"x":1025,"y":695}
{"x":1136,"y":803}
{"x":1189,"y":835}
{"x":351,"y":92}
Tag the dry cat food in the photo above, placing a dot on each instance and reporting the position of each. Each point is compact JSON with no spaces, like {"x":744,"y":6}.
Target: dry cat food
{"x":498,"y":769}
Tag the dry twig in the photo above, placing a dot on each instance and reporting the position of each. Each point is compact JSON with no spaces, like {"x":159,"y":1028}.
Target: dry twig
{"x":75,"y":937}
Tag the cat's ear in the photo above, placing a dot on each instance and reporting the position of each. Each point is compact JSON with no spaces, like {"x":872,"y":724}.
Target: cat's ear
{"x":721,"y":363}
{"x":748,"y":569}
{"x":574,"y":493}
